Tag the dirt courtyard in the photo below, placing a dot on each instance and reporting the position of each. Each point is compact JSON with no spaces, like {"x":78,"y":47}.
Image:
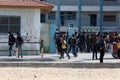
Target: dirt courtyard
{"x":22,"y":73}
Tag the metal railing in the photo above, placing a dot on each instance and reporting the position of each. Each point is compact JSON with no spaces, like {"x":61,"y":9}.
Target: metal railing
{"x":25,"y":43}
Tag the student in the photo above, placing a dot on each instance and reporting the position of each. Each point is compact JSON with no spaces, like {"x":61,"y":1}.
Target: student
{"x":73,"y":45}
{"x":102,"y":44}
{"x":94,"y":48}
{"x":57,"y":40}
{"x":19,"y":42}
{"x":64,"y":47}
{"x":11,"y":41}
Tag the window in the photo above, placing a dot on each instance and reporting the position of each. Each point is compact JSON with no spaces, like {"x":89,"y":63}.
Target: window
{"x":43,"y":18}
{"x":9,"y":24}
{"x":109,"y":18}
{"x":68,"y":15}
{"x":51,"y":16}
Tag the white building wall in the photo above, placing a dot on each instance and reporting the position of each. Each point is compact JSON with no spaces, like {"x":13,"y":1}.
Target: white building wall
{"x":30,"y":21}
{"x":111,"y":8}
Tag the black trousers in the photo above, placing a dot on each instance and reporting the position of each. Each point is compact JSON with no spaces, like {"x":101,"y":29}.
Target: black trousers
{"x":62,"y":51}
{"x":102,"y":53}
{"x":94,"y":54}
{"x":119,"y":53}
{"x":69,"y":49}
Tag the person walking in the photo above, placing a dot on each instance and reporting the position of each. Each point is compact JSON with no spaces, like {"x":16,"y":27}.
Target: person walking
{"x":64,"y":47}
{"x":19,"y":42}
{"x":102,"y":44}
{"x":69,"y":43}
{"x":11,"y":41}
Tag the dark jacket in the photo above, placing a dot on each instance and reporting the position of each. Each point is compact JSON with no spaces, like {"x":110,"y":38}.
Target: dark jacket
{"x":73,"y":42}
{"x":19,"y":40}
{"x":102,"y":44}
{"x":11,"y":40}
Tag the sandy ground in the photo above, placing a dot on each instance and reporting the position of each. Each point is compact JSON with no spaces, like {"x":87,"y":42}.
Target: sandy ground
{"x":58,"y":74}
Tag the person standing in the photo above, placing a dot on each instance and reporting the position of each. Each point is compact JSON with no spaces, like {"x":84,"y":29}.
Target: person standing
{"x":102,"y":44}
{"x":11,"y":41}
{"x":73,"y":45}
{"x":94,"y":48}
{"x":19,"y":42}
{"x":82,"y":43}
{"x":57,"y":40}
{"x":88,"y":43}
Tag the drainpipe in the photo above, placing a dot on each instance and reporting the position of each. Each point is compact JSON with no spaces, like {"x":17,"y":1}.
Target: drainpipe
{"x":79,"y":16}
{"x":101,"y":15}
{"x":58,"y":14}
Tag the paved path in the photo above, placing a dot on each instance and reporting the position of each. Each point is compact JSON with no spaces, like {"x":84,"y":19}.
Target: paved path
{"x":52,"y":60}
{"x":82,"y":58}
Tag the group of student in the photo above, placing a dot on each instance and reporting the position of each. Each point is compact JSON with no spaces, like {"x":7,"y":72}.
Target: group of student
{"x":18,"y":41}
{"x":78,"y":42}
{"x":61,"y":44}
{"x":65,"y":46}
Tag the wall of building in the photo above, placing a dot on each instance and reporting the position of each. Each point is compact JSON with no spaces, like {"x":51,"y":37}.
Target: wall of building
{"x":30,"y":23}
{"x":88,"y":8}
{"x":117,"y":2}
{"x":45,"y":36}
{"x":111,"y":24}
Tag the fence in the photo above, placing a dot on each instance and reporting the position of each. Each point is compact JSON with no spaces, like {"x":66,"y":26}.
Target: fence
{"x":28,"y":48}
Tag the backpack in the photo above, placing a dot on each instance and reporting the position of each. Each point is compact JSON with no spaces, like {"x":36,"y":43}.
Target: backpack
{"x":118,"y":45}
{"x":57,"y":36}
{"x":12,"y":39}
{"x":64,"y":45}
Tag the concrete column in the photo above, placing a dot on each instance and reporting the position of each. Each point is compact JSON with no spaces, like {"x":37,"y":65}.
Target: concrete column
{"x":58,"y":14}
{"x":101,"y":15}
{"x":79,"y":16}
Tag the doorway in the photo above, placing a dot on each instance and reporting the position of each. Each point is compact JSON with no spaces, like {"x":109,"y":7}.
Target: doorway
{"x":93,"y":20}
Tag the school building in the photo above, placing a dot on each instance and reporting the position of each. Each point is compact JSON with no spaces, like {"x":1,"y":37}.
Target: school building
{"x":88,"y":15}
